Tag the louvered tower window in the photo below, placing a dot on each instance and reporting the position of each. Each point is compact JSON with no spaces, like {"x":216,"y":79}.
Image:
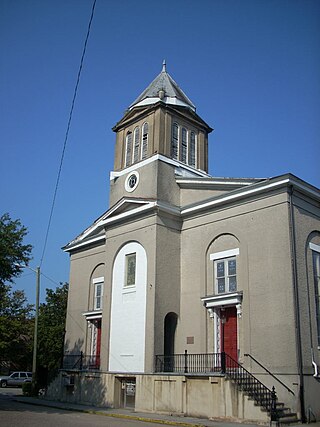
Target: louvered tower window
{"x":192,"y":150}
{"x":184,"y":136}
{"x":128,"y":160}
{"x":175,"y":142}
{"x":136,"y":144}
{"x":144,"y":148}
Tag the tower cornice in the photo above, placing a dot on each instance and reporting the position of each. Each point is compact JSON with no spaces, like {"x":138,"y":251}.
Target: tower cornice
{"x":137,"y":113}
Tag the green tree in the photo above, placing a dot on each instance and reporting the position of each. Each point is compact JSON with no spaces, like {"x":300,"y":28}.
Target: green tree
{"x":15,"y":313}
{"x":12,"y":249}
{"x":16,"y":329}
{"x":51,"y":328}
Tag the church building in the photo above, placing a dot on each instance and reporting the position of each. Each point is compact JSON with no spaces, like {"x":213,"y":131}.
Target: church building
{"x":194,"y":294}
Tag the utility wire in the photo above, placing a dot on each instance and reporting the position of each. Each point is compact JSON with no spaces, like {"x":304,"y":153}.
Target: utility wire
{"x":49,"y":278}
{"x":67,"y":133}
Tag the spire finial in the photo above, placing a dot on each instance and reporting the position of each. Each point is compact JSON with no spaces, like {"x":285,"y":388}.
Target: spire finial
{"x":164,"y":70}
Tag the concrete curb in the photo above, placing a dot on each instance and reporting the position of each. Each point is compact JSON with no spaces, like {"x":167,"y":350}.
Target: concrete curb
{"x":148,"y":420}
{"x":111,"y":414}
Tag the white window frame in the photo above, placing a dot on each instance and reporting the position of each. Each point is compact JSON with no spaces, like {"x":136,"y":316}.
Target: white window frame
{"x":226,"y":277}
{"x":224,"y":256}
{"x":99,"y":281}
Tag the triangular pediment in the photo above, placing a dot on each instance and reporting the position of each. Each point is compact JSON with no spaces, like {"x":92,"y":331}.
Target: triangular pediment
{"x":127,"y":204}
{"x":95,"y":233}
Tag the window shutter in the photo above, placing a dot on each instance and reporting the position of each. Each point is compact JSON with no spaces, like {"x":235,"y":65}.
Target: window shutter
{"x":184,"y":145}
{"x":144,"y":150}
{"x":192,"y":150}
{"x":175,"y":141}
{"x":128,"y":149}
{"x":136,"y":138}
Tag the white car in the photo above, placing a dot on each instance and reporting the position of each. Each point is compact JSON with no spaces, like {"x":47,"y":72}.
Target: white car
{"x":16,"y":379}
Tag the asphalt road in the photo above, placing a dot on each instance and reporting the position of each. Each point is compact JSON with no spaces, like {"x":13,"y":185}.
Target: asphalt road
{"x":16,"y":414}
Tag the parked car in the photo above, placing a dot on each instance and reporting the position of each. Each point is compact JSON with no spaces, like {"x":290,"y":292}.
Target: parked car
{"x":16,"y":379}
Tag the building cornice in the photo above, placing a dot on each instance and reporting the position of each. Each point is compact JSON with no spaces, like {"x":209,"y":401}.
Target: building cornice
{"x":216,"y":183}
{"x":143,"y":206}
{"x":180,"y":167}
{"x":254,"y":189}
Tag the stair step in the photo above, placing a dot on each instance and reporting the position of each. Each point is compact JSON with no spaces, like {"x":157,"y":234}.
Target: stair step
{"x":284,"y":410}
{"x":262,"y":398}
{"x":288,"y":418}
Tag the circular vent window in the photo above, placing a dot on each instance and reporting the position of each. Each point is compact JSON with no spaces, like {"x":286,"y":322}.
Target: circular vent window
{"x":132,"y":181}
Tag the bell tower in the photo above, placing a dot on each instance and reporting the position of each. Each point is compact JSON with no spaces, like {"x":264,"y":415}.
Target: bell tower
{"x":161,"y":123}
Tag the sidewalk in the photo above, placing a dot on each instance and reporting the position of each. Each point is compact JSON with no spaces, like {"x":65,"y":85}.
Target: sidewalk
{"x":174,"y":420}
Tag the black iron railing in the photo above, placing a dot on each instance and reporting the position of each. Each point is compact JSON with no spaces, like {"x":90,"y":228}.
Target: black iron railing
{"x":81,"y":362}
{"x":250,"y":385}
{"x":224,"y":364}
{"x":188,"y":363}
{"x":270,"y":373}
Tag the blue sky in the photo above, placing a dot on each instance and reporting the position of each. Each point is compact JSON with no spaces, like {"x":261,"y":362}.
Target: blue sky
{"x":252,"y":68}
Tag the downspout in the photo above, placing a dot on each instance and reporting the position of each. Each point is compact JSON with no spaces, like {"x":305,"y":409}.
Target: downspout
{"x":314,"y":365}
{"x":296,"y":302}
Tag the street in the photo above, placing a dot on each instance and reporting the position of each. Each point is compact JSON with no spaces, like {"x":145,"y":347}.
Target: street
{"x":16,"y":414}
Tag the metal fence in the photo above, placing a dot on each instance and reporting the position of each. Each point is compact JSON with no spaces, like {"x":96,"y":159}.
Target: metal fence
{"x":207,"y":363}
{"x":81,"y":362}
{"x":188,"y":363}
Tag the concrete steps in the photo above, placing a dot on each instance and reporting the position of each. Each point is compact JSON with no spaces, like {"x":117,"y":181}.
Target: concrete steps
{"x":247,"y":384}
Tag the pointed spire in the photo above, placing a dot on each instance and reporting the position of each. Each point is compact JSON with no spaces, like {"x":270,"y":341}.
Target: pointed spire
{"x":163,"y":88}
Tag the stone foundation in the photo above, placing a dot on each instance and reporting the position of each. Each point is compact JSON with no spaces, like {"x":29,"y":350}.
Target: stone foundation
{"x":194,"y":396}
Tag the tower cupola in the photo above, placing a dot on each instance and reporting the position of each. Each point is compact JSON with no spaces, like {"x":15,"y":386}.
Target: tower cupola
{"x":162,"y":121}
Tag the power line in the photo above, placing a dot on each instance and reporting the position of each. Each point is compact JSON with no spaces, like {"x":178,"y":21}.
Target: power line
{"x":49,"y":278}
{"x":67,"y":133}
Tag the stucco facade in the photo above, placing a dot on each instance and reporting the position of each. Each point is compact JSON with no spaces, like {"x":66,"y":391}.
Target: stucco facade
{"x":185,"y":261}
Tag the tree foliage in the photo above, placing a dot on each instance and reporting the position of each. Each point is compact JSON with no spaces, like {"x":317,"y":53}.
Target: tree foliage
{"x":16,"y":323}
{"x":51,"y":327}
{"x":16,"y":328}
{"x":12,"y":249}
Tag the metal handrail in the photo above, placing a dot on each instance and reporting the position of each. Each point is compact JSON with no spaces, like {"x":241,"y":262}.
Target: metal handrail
{"x":222,"y":363}
{"x":250,"y":385}
{"x":270,"y":373}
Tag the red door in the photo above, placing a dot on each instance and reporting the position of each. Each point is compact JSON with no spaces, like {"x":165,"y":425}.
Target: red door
{"x":229,"y":332}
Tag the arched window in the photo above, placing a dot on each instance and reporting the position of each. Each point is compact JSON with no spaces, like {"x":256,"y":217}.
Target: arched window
{"x":184,"y":145}
{"x":144,"y":148}
{"x":192,"y":150}
{"x":175,"y":141}
{"x":136,"y":144}
{"x":128,"y":160}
